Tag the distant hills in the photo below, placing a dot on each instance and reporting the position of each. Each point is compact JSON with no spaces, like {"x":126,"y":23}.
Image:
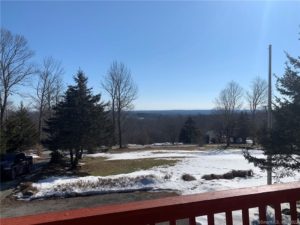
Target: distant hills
{"x":174,"y":112}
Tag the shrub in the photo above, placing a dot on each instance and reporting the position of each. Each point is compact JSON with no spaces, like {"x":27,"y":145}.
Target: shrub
{"x":187,"y":177}
{"x":56,"y":156}
{"x":229,"y":175}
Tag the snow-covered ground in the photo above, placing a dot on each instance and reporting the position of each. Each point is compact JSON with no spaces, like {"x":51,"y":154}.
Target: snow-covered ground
{"x":195,"y":163}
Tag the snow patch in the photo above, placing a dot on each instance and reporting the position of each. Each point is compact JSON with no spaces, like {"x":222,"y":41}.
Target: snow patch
{"x":34,"y":156}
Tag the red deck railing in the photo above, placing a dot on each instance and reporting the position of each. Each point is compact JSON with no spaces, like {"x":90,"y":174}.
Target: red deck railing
{"x":174,"y":208}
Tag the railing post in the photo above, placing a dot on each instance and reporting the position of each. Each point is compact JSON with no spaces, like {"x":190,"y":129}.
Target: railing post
{"x":293,"y":209}
{"x":262,"y":215}
{"x":245,"y":215}
{"x":278,"y":216}
{"x":211,"y":219}
{"x":228,"y":218}
{"x":192,"y":221}
{"x":173,"y":222}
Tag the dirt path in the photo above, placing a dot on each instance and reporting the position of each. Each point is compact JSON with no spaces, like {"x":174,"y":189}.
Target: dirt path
{"x":13,"y":208}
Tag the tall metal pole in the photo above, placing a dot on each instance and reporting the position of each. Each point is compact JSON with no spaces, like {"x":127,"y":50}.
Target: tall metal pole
{"x":270,"y":90}
{"x":269,"y":157}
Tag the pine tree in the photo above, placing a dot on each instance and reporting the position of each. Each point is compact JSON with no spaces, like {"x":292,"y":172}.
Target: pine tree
{"x":20,"y":131}
{"x":283,"y":141}
{"x":189,"y":134}
{"x":79,"y":122}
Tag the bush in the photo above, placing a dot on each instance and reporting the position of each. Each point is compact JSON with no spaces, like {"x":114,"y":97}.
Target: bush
{"x":91,"y":150}
{"x":212,"y":177}
{"x":187,"y":177}
{"x":229,"y":175}
{"x":56,"y":156}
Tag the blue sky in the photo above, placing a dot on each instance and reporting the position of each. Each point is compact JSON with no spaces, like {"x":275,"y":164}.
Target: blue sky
{"x":181,"y":54}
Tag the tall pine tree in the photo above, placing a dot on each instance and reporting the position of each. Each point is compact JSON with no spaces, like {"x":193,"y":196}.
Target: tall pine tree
{"x":80,"y":121}
{"x":283,"y":141}
{"x":189,"y":133}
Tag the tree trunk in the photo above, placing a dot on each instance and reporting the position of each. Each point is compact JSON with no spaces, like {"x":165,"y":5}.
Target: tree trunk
{"x":71,"y":157}
{"x":227,"y":141}
{"x":119,"y":128}
{"x":2,"y":111}
{"x":40,"y":122}
{"x":254,"y":129}
{"x":76,"y":159}
{"x":113,"y":123}
{"x":80,"y":153}
{"x":227,"y":137}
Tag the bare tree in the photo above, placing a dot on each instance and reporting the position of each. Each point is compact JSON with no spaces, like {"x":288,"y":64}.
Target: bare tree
{"x":15,"y":66}
{"x":171,"y":127}
{"x":229,"y":100}
{"x":58,"y":90}
{"x":110,"y":86}
{"x":48,"y":89}
{"x":123,"y":91}
{"x":257,"y":97}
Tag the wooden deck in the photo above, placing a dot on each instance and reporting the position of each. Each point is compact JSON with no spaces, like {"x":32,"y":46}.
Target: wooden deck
{"x":174,"y":208}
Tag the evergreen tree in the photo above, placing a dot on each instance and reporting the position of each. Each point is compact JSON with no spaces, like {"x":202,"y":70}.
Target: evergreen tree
{"x":189,"y":134}
{"x":20,"y":132}
{"x":79,"y":122}
{"x":283,"y":141}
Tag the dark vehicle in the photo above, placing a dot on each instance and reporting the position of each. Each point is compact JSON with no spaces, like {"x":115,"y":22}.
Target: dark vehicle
{"x":14,"y":164}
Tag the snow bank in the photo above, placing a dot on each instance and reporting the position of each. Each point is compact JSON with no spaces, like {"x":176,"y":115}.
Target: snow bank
{"x":75,"y":186}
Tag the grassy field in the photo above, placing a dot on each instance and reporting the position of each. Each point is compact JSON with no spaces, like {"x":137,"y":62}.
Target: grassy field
{"x":102,"y":167}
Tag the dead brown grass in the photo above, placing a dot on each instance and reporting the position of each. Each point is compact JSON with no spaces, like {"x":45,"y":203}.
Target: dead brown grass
{"x":102,"y":167}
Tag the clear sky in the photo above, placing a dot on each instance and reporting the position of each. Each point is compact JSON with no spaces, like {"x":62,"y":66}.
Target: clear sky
{"x":181,"y":54}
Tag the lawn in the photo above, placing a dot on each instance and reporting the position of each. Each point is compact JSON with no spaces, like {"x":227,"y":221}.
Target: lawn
{"x":102,"y":167}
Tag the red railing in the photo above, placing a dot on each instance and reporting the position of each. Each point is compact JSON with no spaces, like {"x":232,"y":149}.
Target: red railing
{"x":174,"y":208}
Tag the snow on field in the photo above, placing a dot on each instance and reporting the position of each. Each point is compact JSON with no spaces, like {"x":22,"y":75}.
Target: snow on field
{"x":195,"y":163}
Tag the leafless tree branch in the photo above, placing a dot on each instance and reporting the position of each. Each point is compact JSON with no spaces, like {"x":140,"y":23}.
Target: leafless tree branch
{"x":15,"y":66}
{"x":48,"y":89}
{"x":257,"y":95}
{"x":228,"y":102}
